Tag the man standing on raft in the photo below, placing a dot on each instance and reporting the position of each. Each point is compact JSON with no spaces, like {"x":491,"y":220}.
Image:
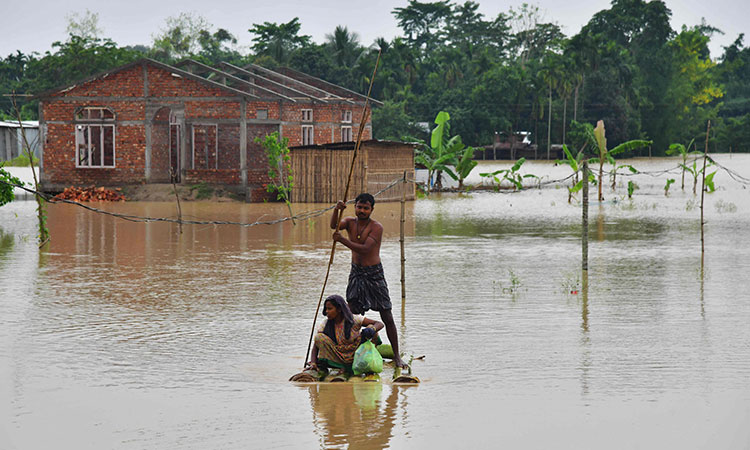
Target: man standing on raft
{"x":367,"y":288}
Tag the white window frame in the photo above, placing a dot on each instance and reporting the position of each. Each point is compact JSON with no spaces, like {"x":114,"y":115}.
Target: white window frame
{"x":307,"y":115}
{"x":84,"y":126}
{"x":346,"y":116}
{"x":346,"y":132}
{"x":308,"y":135}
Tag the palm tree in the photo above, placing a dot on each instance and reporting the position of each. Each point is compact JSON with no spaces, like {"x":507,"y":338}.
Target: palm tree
{"x":344,"y":46}
{"x":551,"y":73}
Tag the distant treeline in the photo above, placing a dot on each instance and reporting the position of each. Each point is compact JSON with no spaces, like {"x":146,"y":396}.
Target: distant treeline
{"x":513,"y":72}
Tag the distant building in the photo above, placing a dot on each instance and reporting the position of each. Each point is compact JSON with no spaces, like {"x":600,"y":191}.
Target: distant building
{"x":149,"y":122}
{"x":510,"y":146}
{"x":11,"y":139}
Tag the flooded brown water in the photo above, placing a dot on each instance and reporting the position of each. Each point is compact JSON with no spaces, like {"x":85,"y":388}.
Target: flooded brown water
{"x":128,"y":335}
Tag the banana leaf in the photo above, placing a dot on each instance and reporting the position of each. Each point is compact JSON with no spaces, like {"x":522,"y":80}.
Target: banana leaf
{"x":710,"y":182}
{"x":337,"y":376}
{"x":630,"y":145}
{"x":309,"y":376}
{"x":408,"y":378}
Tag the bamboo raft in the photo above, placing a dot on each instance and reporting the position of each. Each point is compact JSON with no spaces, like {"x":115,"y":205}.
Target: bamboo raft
{"x":342,"y":376}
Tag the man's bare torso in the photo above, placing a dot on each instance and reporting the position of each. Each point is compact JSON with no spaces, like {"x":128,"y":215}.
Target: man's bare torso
{"x":359,"y":232}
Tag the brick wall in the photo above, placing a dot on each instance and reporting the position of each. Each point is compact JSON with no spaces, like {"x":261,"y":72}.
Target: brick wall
{"x":62,"y":110}
{"x":272,"y":109}
{"x":212,"y":110}
{"x":126,"y":83}
{"x":229,"y":146}
{"x":213,"y":176}
{"x":60,"y":164}
{"x":162,"y":83}
{"x":160,"y":147}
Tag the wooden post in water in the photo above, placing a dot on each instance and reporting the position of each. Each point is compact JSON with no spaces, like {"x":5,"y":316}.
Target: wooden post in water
{"x":585,"y":224}
{"x":401,"y":240}
{"x":177,"y":196}
{"x":703,"y":192}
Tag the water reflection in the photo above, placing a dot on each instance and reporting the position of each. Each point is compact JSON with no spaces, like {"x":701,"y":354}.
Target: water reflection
{"x":204,"y":328}
{"x":7,"y":241}
{"x":586,"y":360}
{"x":355,"y":415}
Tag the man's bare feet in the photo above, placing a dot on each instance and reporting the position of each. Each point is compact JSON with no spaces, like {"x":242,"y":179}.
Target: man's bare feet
{"x":399,"y":362}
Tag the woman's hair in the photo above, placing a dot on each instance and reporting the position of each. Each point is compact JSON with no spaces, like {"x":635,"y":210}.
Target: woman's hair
{"x":330,"y":327}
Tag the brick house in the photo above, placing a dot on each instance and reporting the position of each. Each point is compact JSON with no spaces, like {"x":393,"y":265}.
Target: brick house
{"x":149,"y":122}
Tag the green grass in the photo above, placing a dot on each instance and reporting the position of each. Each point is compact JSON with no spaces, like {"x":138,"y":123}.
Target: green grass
{"x":204,"y":191}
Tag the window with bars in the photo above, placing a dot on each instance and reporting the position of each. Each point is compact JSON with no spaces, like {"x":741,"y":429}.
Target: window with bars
{"x":95,"y":137}
{"x":307,"y":135}
{"x":346,"y":134}
{"x":307,"y":115}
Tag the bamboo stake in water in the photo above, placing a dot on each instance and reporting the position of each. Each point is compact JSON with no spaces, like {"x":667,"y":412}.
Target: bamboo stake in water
{"x":362,"y":124}
{"x":585,"y":222}
{"x":179,"y":207}
{"x":401,"y":241}
{"x":703,"y":191}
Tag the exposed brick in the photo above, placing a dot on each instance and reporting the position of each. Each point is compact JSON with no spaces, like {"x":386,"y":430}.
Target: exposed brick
{"x":210,"y":113}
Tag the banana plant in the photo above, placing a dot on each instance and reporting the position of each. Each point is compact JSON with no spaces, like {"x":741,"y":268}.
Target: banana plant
{"x":575,"y":166}
{"x":631,"y":188}
{"x":696,"y":172}
{"x":512,"y":175}
{"x":670,"y":181}
{"x":615,"y":168}
{"x":442,"y":152}
{"x":465,"y":165}
{"x":608,"y":155}
{"x":679,"y":149}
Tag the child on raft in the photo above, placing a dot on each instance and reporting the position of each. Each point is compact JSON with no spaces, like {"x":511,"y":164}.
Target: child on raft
{"x":339,"y":335}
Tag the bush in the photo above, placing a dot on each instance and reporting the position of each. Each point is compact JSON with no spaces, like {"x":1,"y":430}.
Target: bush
{"x":20,"y":161}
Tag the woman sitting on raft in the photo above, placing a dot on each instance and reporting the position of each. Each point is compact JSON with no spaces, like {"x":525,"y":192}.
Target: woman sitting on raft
{"x":339,"y":335}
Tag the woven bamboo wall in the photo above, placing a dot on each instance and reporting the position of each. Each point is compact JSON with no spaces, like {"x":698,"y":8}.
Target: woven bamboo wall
{"x":320,"y":173}
{"x":386,"y":163}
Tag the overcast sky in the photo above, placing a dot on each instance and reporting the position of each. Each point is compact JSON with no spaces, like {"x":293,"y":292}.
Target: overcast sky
{"x":33,"y":25}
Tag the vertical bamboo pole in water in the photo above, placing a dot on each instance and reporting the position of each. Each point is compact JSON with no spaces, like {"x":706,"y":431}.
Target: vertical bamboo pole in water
{"x":585,"y":220}
{"x":703,"y":191}
{"x":177,"y":196}
{"x":401,"y":241}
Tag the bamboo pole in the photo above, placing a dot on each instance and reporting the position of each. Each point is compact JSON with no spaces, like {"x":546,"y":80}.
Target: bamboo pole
{"x":401,"y":241}
{"x":585,"y":222}
{"x":177,"y":196}
{"x":703,"y":191}
{"x":362,"y":124}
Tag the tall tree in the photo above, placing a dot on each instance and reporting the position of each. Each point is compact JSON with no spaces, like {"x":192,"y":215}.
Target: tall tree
{"x":343,"y":46}
{"x":421,"y":22}
{"x":278,"y":41}
{"x":84,"y":25}
{"x":180,"y":36}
